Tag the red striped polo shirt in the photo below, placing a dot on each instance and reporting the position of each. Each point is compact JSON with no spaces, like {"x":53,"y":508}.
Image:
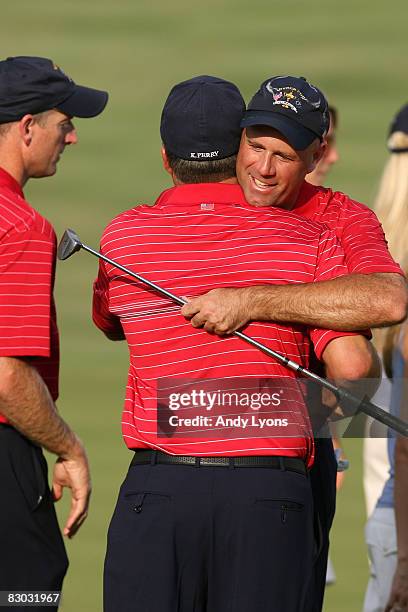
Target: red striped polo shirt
{"x":356,"y":226}
{"x":28,"y":326}
{"x":197,"y":238}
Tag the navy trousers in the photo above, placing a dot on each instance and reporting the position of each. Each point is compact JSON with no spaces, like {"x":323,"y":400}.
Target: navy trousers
{"x":210,"y":539}
{"x":32,"y":552}
{"x":323,"y":481}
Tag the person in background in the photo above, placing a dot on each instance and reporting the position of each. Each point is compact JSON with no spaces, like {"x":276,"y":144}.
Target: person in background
{"x":398,"y":598}
{"x":373,"y":294}
{"x":387,"y":527}
{"x":330,"y":156}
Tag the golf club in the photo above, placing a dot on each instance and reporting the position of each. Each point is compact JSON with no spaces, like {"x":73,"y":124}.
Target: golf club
{"x":70,"y":244}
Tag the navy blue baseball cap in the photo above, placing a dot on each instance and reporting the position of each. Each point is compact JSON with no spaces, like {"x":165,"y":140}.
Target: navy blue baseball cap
{"x":292,"y":106}
{"x":201,"y":119}
{"x":400,"y":121}
{"x":30,"y":85}
{"x":399,"y":124}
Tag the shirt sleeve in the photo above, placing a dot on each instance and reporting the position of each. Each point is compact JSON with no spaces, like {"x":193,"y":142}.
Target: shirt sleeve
{"x":106,"y":321}
{"x":27,"y":266}
{"x":364,"y":243}
{"x":330,"y":263}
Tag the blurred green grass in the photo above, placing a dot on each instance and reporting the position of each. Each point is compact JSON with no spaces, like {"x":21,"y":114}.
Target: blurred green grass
{"x":356,"y":51}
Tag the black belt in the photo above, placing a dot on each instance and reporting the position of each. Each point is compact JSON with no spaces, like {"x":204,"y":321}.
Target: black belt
{"x":291,"y":464}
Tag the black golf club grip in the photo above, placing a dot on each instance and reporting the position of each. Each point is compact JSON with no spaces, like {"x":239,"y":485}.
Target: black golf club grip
{"x":385,"y":417}
{"x":364,"y":405}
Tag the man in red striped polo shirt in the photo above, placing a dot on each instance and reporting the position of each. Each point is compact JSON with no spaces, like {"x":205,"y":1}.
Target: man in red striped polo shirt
{"x":216,"y":510}
{"x":37,"y":103}
{"x":374,"y":294}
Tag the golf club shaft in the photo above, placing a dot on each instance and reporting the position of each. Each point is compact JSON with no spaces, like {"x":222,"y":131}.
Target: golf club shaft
{"x":171,"y":296}
{"x":343,"y":395}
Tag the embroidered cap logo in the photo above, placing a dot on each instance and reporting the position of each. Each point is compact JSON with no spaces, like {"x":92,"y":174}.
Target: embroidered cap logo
{"x":62,"y":72}
{"x":291,"y":97}
{"x":283,"y":96}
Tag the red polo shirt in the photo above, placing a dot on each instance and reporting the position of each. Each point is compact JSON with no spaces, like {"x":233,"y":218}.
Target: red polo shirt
{"x":356,"y":226}
{"x":28,"y":326}
{"x":196,"y":238}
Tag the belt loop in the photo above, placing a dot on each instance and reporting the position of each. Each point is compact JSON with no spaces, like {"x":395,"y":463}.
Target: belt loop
{"x":281,"y":464}
{"x":197,"y":462}
{"x":231,"y":463}
{"x":153,"y":458}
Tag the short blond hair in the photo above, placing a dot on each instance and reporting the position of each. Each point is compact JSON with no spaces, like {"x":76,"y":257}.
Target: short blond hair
{"x":4,"y":129}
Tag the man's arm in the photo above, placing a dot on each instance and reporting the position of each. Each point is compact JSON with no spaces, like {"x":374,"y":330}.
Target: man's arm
{"x":375,"y":295}
{"x":107,"y":322}
{"x":352,"y":362}
{"x":349,"y":303}
{"x":26,"y":403}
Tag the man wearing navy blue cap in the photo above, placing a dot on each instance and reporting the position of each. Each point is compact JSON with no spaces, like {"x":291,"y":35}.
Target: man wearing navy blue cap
{"x":37,"y":104}
{"x":284,"y":137}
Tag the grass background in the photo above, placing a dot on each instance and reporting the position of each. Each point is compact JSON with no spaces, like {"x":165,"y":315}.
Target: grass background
{"x":355,"y":50}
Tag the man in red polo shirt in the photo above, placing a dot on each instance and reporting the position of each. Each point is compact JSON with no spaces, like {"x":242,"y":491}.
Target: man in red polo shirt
{"x":216,"y":509}
{"x":37,"y":103}
{"x":375,"y":294}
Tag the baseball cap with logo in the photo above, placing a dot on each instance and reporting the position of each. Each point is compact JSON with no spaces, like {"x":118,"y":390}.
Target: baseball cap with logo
{"x":201,"y":119}
{"x":292,"y":106}
{"x":30,"y":85}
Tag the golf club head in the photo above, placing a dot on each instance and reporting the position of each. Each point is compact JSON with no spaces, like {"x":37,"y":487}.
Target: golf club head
{"x":70,"y":244}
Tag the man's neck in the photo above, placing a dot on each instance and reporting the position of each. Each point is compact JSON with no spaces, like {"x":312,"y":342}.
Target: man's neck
{"x":11,"y":164}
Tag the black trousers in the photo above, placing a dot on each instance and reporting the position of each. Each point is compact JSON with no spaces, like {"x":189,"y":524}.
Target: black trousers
{"x":32,"y":552}
{"x":323,"y":481}
{"x":210,"y":539}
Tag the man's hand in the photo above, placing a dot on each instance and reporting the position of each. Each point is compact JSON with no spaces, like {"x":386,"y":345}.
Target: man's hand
{"x":72,"y":471}
{"x":220,"y":311}
{"x":26,"y":402}
{"x":398,"y":599}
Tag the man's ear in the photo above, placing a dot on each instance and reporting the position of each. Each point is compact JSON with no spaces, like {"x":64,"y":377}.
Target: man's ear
{"x":25,"y":126}
{"x":317,"y":153}
{"x":165,"y":160}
